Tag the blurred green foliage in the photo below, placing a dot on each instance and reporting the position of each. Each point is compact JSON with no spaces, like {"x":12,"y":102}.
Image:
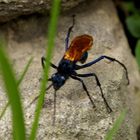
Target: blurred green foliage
{"x":137,"y":52}
{"x":50,"y":46}
{"x":113,"y":131}
{"x":13,"y":94}
{"x":133,"y":24}
{"x":12,"y":84}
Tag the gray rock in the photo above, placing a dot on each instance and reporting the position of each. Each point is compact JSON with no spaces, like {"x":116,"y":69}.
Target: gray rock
{"x":11,"y":9}
{"x":75,"y":117}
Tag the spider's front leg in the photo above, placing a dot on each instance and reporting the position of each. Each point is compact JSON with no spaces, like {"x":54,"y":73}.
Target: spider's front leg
{"x":43,"y":60}
{"x":68,"y":34}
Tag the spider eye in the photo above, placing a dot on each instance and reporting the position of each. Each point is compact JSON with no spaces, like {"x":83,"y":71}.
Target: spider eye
{"x":62,"y":77}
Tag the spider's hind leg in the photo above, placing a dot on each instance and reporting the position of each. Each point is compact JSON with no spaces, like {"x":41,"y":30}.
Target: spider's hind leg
{"x":101,"y":58}
{"x":85,"y":89}
{"x":43,"y":61}
{"x":99,"y":85}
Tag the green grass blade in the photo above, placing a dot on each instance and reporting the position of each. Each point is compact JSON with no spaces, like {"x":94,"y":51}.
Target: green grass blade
{"x":51,"y":37}
{"x":18,"y":83}
{"x":4,"y":110}
{"x":24,"y":71}
{"x":13,"y":96}
{"x":116,"y":126}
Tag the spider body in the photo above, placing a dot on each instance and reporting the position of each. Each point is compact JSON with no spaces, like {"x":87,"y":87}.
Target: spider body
{"x":77,"y":51}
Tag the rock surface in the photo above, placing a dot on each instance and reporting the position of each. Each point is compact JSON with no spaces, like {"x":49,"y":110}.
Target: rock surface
{"x":75,"y":117}
{"x":11,"y":9}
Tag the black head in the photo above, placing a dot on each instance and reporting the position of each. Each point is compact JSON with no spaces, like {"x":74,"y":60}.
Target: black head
{"x":58,"y":80}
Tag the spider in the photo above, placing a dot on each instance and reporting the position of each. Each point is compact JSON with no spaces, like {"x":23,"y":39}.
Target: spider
{"x":67,"y":68}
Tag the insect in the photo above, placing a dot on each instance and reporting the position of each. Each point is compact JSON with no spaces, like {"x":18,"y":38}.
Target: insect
{"x":77,"y":51}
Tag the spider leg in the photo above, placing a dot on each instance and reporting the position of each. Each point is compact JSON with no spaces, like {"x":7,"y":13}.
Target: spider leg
{"x":99,"y":59}
{"x":39,"y":96}
{"x":85,"y":89}
{"x":43,"y":59}
{"x":99,"y":85}
{"x":68,"y":33}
